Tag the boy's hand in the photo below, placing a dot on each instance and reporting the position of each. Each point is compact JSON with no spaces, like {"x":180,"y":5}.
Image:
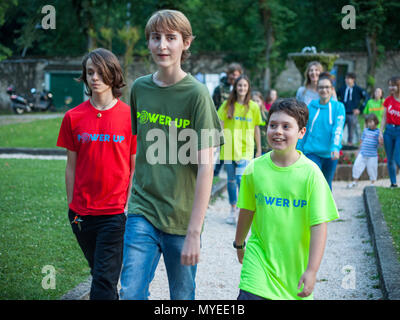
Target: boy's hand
{"x":190,"y":255}
{"x":308,"y":279}
{"x":240,"y":254}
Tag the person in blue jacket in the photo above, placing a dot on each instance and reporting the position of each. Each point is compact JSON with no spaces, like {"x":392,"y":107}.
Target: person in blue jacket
{"x":322,"y":141}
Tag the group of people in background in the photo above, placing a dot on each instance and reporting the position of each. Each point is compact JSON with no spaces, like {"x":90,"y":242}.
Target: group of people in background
{"x":127,"y":207}
{"x":331,"y":113}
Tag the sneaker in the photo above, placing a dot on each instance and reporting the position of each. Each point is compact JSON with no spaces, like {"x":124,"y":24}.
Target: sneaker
{"x":351,"y":185}
{"x":232,"y":217}
{"x":393,"y":185}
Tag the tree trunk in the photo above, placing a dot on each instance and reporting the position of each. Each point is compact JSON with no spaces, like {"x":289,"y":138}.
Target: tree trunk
{"x":265,"y":13}
{"x":372,"y":53}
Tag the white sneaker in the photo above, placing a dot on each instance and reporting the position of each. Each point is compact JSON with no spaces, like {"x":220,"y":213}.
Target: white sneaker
{"x":352,"y":185}
{"x":232,"y":217}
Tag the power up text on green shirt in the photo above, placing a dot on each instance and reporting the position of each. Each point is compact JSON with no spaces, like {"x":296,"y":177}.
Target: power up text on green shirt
{"x":279,"y":202}
{"x":147,"y":117}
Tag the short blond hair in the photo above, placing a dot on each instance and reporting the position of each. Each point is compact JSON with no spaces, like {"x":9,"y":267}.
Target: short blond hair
{"x":170,"y":20}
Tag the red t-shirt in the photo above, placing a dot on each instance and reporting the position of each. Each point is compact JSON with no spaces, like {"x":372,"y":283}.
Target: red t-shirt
{"x":392,"y":109}
{"x":104,"y":143}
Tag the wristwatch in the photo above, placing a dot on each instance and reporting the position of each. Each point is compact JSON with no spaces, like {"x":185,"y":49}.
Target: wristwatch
{"x":239,"y":247}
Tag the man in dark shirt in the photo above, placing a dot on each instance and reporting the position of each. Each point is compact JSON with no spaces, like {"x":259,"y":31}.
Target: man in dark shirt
{"x":354,"y":99}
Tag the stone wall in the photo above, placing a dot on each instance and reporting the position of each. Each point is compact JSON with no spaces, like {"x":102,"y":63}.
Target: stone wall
{"x":27,"y":73}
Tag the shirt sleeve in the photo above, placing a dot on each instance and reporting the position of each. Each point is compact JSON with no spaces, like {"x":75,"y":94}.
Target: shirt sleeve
{"x":337,"y":130}
{"x":206,"y":122}
{"x":322,"y":206}
{"x":65,"y":136}
{"x":133,"y":110}
{"x":133,"y":144}
{"x":247,"y":197}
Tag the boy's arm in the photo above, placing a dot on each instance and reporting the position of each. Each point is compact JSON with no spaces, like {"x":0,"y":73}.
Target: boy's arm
{"x":133,"y":162}
{"x":242,"y":229}
{"x":317,"y":246}
{"x":70,"y":174}
{"x":337,"y":132}
{"x":257,"y":138}
{"x":191,"y":248}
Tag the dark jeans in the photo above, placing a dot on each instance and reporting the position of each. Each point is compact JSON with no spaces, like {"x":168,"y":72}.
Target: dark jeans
{"x":327,"y":166}
{"x":101,"y":239}
{"x":218,"y":167}
{"x":245,"y":295}
{"x":391,"y":139}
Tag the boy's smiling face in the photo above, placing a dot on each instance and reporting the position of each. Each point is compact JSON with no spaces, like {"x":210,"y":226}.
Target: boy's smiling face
{"x":166,"y":48}
{"x":283,"y":132}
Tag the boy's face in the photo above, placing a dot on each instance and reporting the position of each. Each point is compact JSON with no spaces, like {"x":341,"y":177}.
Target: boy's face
{"x":283,"y":132}
{"x":166,"y":48}
{"x":94,"y":79}
{"x":324,"y":88}
{"x":233,"y":76}
{"x":371,"y":124}
{"x":349,"y":81}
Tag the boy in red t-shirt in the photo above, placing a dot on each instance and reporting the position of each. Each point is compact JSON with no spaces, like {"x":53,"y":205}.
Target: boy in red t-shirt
{"x":100,"y":164}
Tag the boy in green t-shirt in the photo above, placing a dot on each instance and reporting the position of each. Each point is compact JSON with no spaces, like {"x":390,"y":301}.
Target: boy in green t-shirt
{"x":174,"y":168}
{"x":286,"y":200}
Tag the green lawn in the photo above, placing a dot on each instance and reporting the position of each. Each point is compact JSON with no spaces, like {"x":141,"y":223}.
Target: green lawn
{"x":35,"y":231}
{"x":35,"y":134}
{"x":390,"y":204}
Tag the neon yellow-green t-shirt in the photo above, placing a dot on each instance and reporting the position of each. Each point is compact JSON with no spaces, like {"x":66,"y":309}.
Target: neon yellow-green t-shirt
{"x":287,"y":201}
{"x":375,"y":107}
{"x":239,"y":131}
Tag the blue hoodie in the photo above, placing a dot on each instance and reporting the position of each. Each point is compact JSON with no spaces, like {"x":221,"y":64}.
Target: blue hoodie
{"x":324,"y":129}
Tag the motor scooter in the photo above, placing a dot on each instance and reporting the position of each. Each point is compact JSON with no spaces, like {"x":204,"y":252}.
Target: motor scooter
{"x":19,"y":104}
{"x":41,"y":101}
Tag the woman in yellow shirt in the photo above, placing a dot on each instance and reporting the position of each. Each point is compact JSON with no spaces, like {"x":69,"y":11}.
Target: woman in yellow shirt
{"x":240,"y":119}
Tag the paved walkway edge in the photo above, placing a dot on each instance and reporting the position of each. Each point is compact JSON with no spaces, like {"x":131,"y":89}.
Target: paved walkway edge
{"x":386,"y":256}
{"x":82,"y":290}
{"x":35,"y":151}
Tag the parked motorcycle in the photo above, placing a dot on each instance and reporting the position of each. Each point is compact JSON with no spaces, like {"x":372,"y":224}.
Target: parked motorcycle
{"x":19,"y":104}
{"x":36,"y":101}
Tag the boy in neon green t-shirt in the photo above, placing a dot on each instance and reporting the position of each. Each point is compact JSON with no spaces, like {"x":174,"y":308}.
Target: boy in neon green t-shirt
{"x":287,"y":202}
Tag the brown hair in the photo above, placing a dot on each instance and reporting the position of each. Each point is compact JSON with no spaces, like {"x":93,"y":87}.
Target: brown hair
{"x":260,"y":96}
{"x":230,"y":104}
{"x":371,"y":117}
{"x":395,"y":81}
{"x":291,"y":107}
{"x":307,"y":80}
{"x":234,"y":66}
{"x":109,"y":68}
{"x":170,"y":20}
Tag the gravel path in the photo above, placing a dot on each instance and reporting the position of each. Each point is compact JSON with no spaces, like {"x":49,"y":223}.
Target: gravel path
{"x":348,"y":270}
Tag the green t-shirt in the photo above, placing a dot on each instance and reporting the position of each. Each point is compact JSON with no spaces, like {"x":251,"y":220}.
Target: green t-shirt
{"x":375,"y":107}
{"x":172,"y":123}
{"x":239,"y":131}
{"x":287,"y":201}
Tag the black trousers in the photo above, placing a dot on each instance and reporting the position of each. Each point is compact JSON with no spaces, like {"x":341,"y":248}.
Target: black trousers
{"x":101,"y":239}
